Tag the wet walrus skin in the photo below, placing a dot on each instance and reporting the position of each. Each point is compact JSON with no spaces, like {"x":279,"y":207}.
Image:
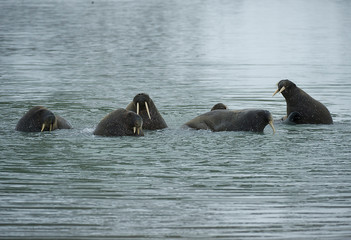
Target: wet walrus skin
{"x":254,"y":120}
{"x":39,"y":119}
{"x":310,"y":111}
{"x":143,"y":105}
{"x":120,"y":122}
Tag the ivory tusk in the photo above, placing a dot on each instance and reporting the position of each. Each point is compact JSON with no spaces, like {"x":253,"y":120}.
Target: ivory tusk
{"x":42,"y":127}
{"x":272,"y":126}
{"x":275,"y":92}
{"x":147,"y":109}
{"x":51,"y":125}
{"x":137,"y":108}
{"x":280,"y":91}
{"x":138,"y":131}
{"x":134,"y":130}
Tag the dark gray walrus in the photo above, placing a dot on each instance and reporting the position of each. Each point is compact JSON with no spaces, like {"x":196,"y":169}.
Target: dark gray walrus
{"x":120,"y":122}
{"x":306,"y":109}
{"x":39,"y":119}
{"x":219,"y":106}
{"x":143,"y":105}
{"x":254,"y":120}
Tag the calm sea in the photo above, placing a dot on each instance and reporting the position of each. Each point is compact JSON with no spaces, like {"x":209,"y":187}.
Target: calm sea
{"x":84,"y":59}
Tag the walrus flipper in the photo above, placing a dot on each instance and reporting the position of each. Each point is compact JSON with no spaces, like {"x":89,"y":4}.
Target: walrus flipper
{"x":293,"y":118}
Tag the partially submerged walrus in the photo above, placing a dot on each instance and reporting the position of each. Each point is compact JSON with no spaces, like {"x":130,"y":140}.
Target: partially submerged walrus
{"x":143,"y":105}
{"x":120,"y":122}
{"x":39,"y":119}
{"x":306,"y":109}
{"x":254,"y":120}
{"x":219,"y":106}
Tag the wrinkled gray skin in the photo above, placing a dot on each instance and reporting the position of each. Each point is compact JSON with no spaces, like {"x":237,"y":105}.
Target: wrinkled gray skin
{"x":120,"y":122}
{"x":34,"y":119}
{"x":156,"y":121}
{"x":310,"y":110}
{"x":254,"y":120}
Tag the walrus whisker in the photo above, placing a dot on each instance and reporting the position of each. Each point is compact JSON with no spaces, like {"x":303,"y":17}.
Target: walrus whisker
{"x":147,"y":109}
{"x":137,"y":108}
{"x":272,"y":126}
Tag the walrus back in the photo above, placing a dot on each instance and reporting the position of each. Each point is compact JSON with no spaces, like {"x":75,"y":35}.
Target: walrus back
{"x":311,"y":110}
{"x":63,"y":123}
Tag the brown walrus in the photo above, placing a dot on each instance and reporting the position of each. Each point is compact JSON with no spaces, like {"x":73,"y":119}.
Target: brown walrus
{"x":120,"y":122}
{"x":143,"y":105}
{"x":39,"y":119}
{"x":254,"y":120}
{"x":298,"y":102}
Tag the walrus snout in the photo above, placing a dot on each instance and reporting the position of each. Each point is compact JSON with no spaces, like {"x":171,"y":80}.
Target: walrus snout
{"x":278,"y":90}
{"x":283,"y":85}
{"x":137,"y":125}
{"x":141,"y":98}
{"x":141,"y":101}
{"x":49,"y":121}
{"x":269,"y":118}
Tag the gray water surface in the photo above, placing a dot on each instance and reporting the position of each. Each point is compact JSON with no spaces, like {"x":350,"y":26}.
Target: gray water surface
{"x":83,"y":60}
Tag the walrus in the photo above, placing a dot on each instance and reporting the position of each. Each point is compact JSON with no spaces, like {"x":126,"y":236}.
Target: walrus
{"x":254,"y":120}
{"x":143,"y":105}
{"x":39,"y":119}
{"x":120,"y":122}
{"x":219,"y":106}
{"x":309,"y":110}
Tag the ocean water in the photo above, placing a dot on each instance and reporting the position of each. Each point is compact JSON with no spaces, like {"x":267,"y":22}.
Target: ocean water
{"x":84,"y":59}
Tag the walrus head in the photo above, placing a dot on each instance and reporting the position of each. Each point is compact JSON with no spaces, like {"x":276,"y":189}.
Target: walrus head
{"x":284,"y":86}
{"x":267,"y":116}
{"x":136,"y":123}
{"x":142,"y":101}
{"x":48,"y":120}
{"x":219,"y":106}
